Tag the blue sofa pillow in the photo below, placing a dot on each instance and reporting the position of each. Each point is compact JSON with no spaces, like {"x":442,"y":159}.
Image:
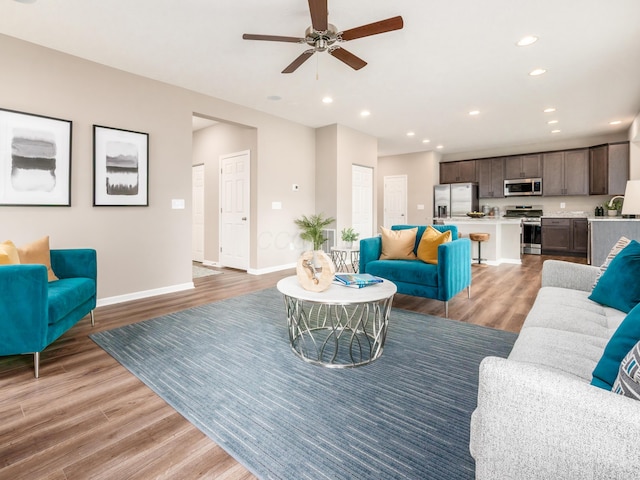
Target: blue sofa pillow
{"x":618,"y":286}
{"x":622,"y":341}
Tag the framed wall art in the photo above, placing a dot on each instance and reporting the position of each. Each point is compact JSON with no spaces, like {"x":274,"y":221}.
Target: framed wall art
{"x":35,"y":160}
{"x":120,"y":167}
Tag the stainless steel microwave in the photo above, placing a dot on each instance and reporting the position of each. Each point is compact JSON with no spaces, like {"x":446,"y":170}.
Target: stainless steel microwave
{"x":522,"y":187}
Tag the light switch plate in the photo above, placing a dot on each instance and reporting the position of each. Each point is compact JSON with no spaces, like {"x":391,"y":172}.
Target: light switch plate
{"x":276,"y":205}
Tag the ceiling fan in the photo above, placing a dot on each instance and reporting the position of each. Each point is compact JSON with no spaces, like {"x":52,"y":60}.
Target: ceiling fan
{"x":322,"y":36}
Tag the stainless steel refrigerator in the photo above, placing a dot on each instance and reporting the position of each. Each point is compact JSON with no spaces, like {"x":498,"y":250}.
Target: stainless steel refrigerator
{"x":455,"y":199}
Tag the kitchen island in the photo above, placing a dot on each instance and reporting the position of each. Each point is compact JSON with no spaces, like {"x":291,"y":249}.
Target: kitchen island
{"x":503,"y":245}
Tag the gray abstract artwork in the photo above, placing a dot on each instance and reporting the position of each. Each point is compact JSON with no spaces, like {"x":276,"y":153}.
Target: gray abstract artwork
{"x":33,"y":160}
{"x":122,"y":168}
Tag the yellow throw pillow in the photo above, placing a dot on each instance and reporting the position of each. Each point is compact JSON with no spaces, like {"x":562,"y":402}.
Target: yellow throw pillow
{"x":398,"y":244}
{"x":38,"y":252}
{"x":428,"y":246}
{"x":9,"y":253}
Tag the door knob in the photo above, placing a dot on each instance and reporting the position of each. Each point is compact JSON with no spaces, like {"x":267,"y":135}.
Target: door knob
{"x":244,"y":219}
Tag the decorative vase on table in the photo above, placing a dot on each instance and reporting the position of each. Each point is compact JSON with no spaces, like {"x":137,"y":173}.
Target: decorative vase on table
{"x":315,"y":270}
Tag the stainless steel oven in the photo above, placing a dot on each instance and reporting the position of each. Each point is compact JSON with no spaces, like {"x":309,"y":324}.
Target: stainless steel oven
{"x":530,"y":227}
{"x":531,"y":236}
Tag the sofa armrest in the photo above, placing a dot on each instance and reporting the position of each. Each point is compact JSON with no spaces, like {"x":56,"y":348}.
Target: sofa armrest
{"x":77,"y":262}
{"x":575,"y":276}
{"x":23,"y":308}
{"x":454,"y":267}
{"x":370,"y":250}
{"x":534,"y":423}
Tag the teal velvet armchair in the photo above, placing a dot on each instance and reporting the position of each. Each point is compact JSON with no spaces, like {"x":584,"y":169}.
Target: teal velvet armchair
{"x":34,"y":312}
{"x":442,"y":282}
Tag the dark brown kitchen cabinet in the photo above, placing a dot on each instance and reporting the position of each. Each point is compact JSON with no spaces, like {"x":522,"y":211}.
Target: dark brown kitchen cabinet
{"x":490,"y":174}
{"x":566,"y":173}
{"x":523,"y":166}
{"x":608,"y":169}
{"x":564,"y":236}
{"x":458,"y":172}
{"x":580,"y":235}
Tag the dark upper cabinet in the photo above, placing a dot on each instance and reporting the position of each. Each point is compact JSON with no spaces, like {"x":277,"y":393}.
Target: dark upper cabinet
{"x":523,"y":166}
{"x":458,"y":172}
{"x":490,"y":174}
{"x":608,"y":169}
{"x":566,"y":173}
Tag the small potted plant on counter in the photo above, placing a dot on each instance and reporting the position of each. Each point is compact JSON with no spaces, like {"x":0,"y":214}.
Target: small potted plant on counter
{"x":613,"y":207}
{"x":349,"y":236}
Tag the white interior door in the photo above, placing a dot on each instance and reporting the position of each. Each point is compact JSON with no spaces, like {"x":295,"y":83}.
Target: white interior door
{"x":395,"y":200}
{"x":234,"y":210}
{"x":362,"y":200}
{"x":197,"y":199}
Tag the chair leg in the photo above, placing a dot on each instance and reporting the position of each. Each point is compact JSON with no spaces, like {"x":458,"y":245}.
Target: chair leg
{"x":36,"y":364}
{"x":93,"y":320}
{"x":469,"y":291}
{"x":446,"y":309}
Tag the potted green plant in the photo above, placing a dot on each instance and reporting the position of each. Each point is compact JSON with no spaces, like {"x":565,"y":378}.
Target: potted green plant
{"x":613,"y":207}
{"x":312,"y":227}
{"x":349,"y":236}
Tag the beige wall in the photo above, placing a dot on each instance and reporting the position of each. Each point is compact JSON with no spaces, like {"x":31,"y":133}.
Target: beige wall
{"x":337,"y":149}
{"x":422,"y":172}
{"x":147,"y":250}
{"x":634,"y":149}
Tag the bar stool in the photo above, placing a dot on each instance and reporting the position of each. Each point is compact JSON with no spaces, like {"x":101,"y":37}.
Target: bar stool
{"x":479,"y":237}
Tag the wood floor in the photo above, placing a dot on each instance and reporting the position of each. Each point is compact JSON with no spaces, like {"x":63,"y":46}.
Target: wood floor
{"x":88,"y":417}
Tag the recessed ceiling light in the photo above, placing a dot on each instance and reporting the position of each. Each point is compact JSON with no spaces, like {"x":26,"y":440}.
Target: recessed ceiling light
{"x":275,"y":98}
{"x":327,"y":100}
{"x":552,"y":122}
{"x":549,"y":110}
{"x":615,"y":122}
{"x":411,"y":134}
{"x":426,"y":140}
{"x":440,"y":146}
{"x":555,"y":131}
{"x":474,"y":112}
{"x":528,"y":40}
{"x":537,"y":71}
{"x":365,"y":113}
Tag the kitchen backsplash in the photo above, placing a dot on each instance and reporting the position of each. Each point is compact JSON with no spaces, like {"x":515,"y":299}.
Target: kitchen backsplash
{"x":551,"y":205}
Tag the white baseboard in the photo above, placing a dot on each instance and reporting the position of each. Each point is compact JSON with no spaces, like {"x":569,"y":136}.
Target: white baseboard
{"x":278,"y":268}
{"x":144,"y":294}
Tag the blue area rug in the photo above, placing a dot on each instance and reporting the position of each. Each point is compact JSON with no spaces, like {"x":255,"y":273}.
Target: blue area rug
{"x":227,"y":367}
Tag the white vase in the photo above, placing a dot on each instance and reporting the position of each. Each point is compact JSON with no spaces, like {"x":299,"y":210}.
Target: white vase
{"x":612,"y":213}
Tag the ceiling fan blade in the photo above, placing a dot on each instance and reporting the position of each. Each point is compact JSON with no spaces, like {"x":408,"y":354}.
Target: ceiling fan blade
{"x":273,"y":38}
{"x":347,"y":57}
{"x":306,"y":55}
{"x":319,"y":15}
{"x":388,"y":25}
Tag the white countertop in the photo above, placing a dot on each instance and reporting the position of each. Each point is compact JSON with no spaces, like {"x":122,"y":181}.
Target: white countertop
{"x":484,"y":220}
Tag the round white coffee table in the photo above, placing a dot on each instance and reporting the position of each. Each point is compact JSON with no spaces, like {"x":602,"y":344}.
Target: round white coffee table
{"x":340,"y":327}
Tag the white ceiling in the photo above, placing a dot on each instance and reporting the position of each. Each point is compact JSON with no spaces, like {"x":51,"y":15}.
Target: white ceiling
{"x":451,"y":57}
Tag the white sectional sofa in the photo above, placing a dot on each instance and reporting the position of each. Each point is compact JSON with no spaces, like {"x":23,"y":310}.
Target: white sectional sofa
{"x":538,"y":417}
